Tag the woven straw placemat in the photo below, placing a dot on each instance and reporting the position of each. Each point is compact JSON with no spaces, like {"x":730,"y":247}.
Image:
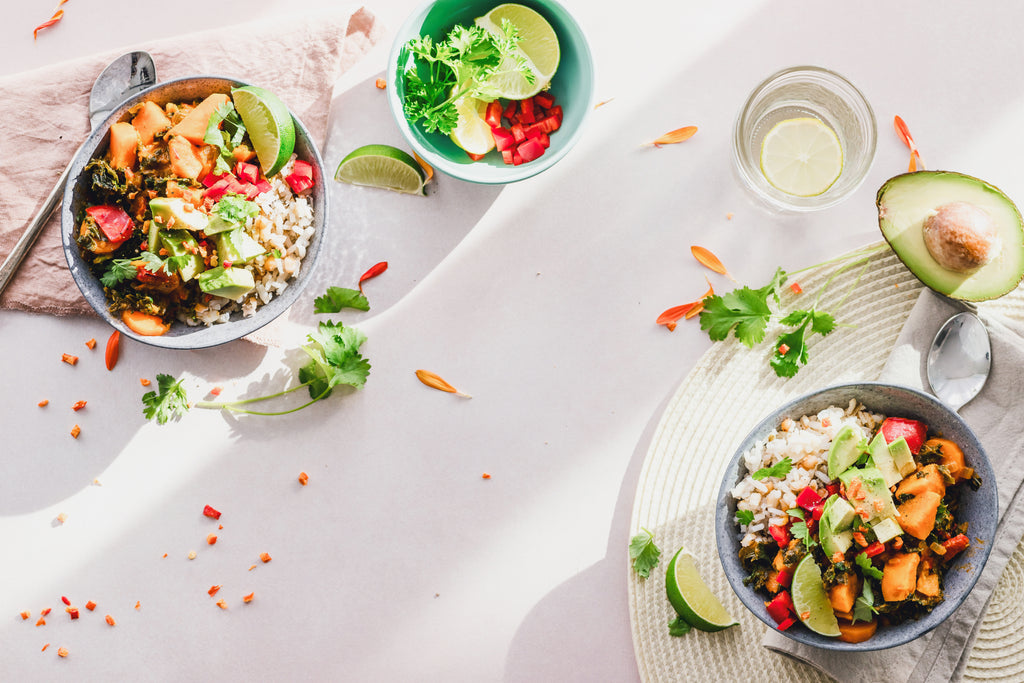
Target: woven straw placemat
{"x":728,"y":391}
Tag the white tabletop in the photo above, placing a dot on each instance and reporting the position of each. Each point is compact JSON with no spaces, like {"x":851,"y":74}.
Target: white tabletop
{"x":399,"y":561}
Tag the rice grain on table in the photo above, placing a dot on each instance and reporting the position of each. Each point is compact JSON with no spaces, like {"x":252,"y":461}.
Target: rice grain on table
{"x":806,"y":443}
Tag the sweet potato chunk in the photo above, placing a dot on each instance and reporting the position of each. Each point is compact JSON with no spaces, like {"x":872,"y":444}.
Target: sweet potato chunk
{"x":928,"y":478}
{"x":149,"y":121}
{"x":185,"y":161}
{"x":952,"y":456}
{"x":193,"y":126}
{"x":928,"y":578}
{"x":899,"y":577}
{"x":859,"y":632}
{"x":843,"y":595}
{"x":917,"y":515}
{"x":124,"y":145}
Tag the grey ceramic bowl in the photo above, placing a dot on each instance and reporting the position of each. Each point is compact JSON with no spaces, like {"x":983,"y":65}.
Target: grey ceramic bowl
{"x":980,"y":509}
{"x":182,"y":336}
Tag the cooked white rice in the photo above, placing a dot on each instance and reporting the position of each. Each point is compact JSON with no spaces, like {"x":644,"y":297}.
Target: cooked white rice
{"x":285,"y":229}
{"x":806,"y":443}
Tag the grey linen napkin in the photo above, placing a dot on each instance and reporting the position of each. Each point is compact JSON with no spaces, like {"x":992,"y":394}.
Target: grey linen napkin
{"x":996,"y":416}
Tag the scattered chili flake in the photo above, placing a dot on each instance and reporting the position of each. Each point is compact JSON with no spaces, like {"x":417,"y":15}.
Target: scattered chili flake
{"x":220,"y":526}
{"x":434,"y":381}
{"x":804,"y":616}
{"x":45,"y":611}
{"x":249,"y":597}
{"x":65,"y":600}
{"x":215,"y":391}
{"x":265,"y":557}
{"x":62,"y":517}
{"x":222,"y":604}
{"x":75,"y":431}
{"x":783,"y":349}
{"x":252,"y":567}
{"x":91,"y":344}
{"x":165,"y":555}
{"x":303,"y":478}
{"x":138,"y":605}
{"x":729,"y":216}
{"x":78,"y":405}
{"x":25,"y":615}
{"x":110,"y":620}
{"x":796,"y":288}
{"x":372,"y":272}
{"x":485,"y":475}
{"x":62,"y":652}
{"x":213,"y":589}
{"x":113,"y":351}
{"x":68,"y":358}
{"x":44,"y":647}
{"x":72,"y":612}
{"x":211,"y":539}
{"x":144,"y":382}
{"x":96,"y":482}
{"x":45,"y":402}
{"x":210,"y":512}
{"x":41,"y":622}
{"x":381,"y":83}
{"x":676,"y":136}
{"x":90,"y":605}
{"x":191,"y":554}
{"x":603,"y":102}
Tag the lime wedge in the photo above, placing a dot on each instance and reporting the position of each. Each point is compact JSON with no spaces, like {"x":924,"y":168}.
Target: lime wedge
{"x":269,"y":124}
{"x":471,"y":132}
{"x":537,"y":47}
{"x":810,"y":599}
{"x":691,"y":597}
{"x":801,"y":157}
{"x":381,"y":166}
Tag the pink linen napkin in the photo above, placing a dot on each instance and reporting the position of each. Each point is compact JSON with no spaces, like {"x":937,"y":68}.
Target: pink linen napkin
{"x":299,"y":58}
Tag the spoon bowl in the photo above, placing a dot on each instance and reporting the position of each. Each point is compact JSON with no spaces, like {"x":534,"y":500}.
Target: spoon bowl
{"x":959,"y":360}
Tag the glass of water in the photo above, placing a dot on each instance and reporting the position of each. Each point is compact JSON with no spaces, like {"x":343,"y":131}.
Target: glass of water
{"x":801,"y":93}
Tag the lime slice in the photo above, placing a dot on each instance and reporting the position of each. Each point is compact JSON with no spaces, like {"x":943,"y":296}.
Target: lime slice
{"x":538,"y":47}
{"x":801,"y":157}
{"x":810,"y":599}
{"x":471,"y":132}
{"x":691,"y":597}
{"x":269,"y":124}
{"x":381,"y":166}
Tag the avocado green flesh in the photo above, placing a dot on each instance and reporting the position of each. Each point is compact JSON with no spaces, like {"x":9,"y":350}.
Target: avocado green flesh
{"x":181,"y":244}
{"x":230,"y":283}
{"x":906,"y":201}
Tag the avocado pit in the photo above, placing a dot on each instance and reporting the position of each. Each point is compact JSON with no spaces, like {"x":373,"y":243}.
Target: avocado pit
{"x":961,"y":237}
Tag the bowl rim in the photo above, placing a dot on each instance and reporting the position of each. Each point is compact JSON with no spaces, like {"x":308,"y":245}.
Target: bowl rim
{"x":199,"y":336}
{"x":727,"y":539}
{"x":411,"y":26}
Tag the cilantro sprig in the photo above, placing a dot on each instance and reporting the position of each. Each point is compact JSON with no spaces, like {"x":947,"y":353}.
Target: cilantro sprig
{"x":337,"y":298}
{"x":778,"y":470}
{"x":169,"y":402}
{"x":644,"y":553}
{"x":225,"y":131}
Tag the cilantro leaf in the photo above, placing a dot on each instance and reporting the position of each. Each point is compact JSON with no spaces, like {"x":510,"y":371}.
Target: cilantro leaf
{"x":822,"y":323}
{"x":644,"y":553}
{"x":224,"y":130}
{"x":864,"y":605}
{"x":337,"y":298}
{"x":791,"y":349}
{"x":744,"y":517}
{"x":151,"y":261}
{"x":170,"y":402}
{"x":334,"y":350}
{"x":796,"y":512}
{"x":866,"y":568}
{"x":744,"y":312}
{"x":234,"y":208}
{"x":120,"y":269}
{"x":799,"y":530}
{"x":679,"y":627}
{"x":778,"y":470}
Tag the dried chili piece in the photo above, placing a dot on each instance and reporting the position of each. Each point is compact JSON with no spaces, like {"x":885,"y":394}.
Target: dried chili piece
{"x":213,"y":590}
{"x":65,"y":600}
{"x":211,"y":512}
{"x":68,"y":358}
{"x":91,"y":344}
{"x":78,"y":405}
{"x":372,"y":272}
{"x":380,"y":83}
{"x":45,"y":402}
{"x":303,"y":478}
{"x":249,"y":597}
{"x":211,"y":539}
{"x":110,"y":620}
{"x":222,"y":604}
{"x":90,"y":605}
{"x":45,"y":611}
{"x":62,"y":652}
{"x":265,"y":557}
{"x":75,"y":431}
{"x":25,"y":615}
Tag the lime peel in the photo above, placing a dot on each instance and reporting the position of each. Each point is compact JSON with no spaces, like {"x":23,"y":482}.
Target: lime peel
{"x":384,"y":167}
{"x":810,"y":599}
{"x":269,"y":125}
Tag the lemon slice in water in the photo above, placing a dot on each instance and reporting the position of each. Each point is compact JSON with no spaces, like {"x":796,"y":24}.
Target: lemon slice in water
{"x":801,"y":157}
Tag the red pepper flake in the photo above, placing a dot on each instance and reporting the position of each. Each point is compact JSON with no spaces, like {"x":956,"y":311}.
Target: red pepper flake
{"x":265,"y":557}
{"x":783,"y":349}
{"x":75,"y":431}
{"x":44,"y":647}
{"x":45,"y":402}
{"x":110,"y":620}
{"x":210,"y":512}
{"x":220,"y":526}
{"x":91,"y":344}
{"x":78,"y":405}
{"x":252,"y":567}
{"x":68,"y":358}
{"x":90,"y":605}
{"x":248,"y":598}
{"x":62,"y":518}
{"x":113,"y":351}
{"x":381,"y":83}
{"x":138,"y":605}
{"x":211,"y":539}
{"x":144,"y":382}
{"x":485,"y":475}
{"x":796,"y":288}
{"x":804,"y":616}
{"x":41,"y":622}
{"x":222,"y":604}
{"x":45,"y":611}
{"x":213,"y":590}
{"x":25,"y":615}
{"x":62,"y":652}
{"x":374,"y":270}
{"x":72,"y":612}
{"x":216,"y":391}
{"x":65,"y":600}
{"x":303,"y":478}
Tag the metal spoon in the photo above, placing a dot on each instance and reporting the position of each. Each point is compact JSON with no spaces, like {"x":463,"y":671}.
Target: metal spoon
{"x":123,"y":77}
{"x":959,"y":360}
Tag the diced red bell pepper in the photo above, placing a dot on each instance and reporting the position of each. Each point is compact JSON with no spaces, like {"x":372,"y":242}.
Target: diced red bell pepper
{"x":954,"y":546}
{"x":544,"y":140}
{"x":832,"y":488}
{"x":530,"y":150}
{"x":549,"y":124}
{"x":913,"y":431}
{"x":493,"y":115}
{"x":526,"y":111}
{"x":246,"y":172}
{"x":210,"y":178}
{"x":780,"y":607}
{"x":300,"y":183}
{"x":116,"y":225}
{"x":780,"y":534}
{"x":517,"y":159}
{"x":786,"y":623}
{"x":218,"y":189}
{"x":503,"y":139}
{"x":874,"y":549}
{"x":303,"y":168}
{"x":817,"y":510}
{"x":510,"y":110}
{"x":507,"y":156}
{"x":263,"y":185}
{"x":785,"y":577}
{"x":556,"y":111}
{"x":544,"y":99}
{"x":808,"y":498}
{"x":518,"y":132}
{"x":210,"y":512}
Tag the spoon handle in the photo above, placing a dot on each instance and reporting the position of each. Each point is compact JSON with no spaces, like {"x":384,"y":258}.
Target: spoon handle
{"x":28,"y":238}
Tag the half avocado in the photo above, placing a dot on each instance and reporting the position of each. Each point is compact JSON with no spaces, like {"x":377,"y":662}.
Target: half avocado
{"x":959,"y":235}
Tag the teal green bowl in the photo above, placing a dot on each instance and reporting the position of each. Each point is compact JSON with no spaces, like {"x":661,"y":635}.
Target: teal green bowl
{"x":572,"y":85}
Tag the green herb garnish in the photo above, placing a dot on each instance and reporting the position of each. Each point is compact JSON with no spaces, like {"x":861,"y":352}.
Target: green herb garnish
{"x":225,"y":131}
{"x":744,"y":517}
{"x":778,"y":470}
{"x":169,"y":402}
{"x":120,"y":269}
{"x":234,"y":208}
{"x":799,"y":530}
{"x":679,"y":627}
{"x":866,"y":568}
{"x":644,"y":553}
{"x":337,"y":298}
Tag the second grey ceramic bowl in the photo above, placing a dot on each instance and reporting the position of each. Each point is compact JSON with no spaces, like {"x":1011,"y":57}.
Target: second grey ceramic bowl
{"x":980,"y":509}
{"x":182,"y":336}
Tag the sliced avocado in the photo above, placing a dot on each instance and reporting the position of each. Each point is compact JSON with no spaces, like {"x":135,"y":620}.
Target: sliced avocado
{"x":832,"y":541}
{"x":883,"y":460}
{"x":844,"y":451}
{"x":218,"y":224}
{"x":867,"y":492}
{"x":972,"y":253}
{"x":840,"y":515}
{"x":230,"y":283}
{"x":182,"y":245}
{"x":887,"y":529}
{"x":235,"y":246}
{"x":902,"y":456}
{"x":167,"y":208}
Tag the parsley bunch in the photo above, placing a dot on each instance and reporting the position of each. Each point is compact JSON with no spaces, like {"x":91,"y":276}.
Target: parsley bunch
{"x":440,"y":74}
